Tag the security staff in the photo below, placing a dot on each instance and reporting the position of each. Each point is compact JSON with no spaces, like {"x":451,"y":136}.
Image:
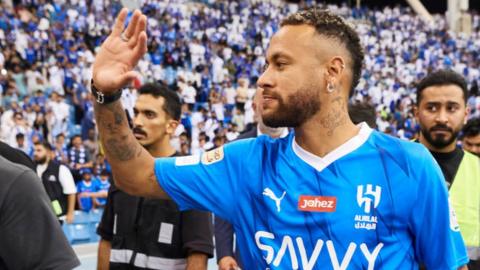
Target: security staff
{"x":57,"y":181}
{"x":147,"y":233}
{"x":441,"y":111}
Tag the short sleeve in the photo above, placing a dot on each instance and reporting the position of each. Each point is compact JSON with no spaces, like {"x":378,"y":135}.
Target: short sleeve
{"x":208,"y":182}
{"x":197,"y":232}
{"x":66,"y":180}
{"x":30,"y":233}
{"x":438,"y":242}
{"x":105,"y":228}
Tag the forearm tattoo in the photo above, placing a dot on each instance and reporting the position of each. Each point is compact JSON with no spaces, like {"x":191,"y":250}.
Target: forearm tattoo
{"x":117,"y":139}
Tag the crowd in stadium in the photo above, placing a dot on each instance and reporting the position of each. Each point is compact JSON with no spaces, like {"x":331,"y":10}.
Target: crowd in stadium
{"x":211,"y":54}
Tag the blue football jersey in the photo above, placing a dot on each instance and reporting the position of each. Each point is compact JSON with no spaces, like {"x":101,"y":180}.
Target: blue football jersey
{"x":101,"y":186}
{"x":375,"y":202}
{"x":86,"y":202}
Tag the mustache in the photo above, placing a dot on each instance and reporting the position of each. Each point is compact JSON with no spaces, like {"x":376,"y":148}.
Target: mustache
{"x":139,"y":131}
{"x":441,"y":128}
{"x":271,"y":94}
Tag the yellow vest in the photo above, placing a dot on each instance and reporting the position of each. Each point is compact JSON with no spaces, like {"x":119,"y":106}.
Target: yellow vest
{"x":465,"y":199}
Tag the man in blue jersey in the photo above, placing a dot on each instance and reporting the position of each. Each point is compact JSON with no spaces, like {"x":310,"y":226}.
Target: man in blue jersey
{"x":331,"y":195}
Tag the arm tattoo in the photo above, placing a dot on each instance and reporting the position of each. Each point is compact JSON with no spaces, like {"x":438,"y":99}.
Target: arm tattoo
{"x":116,"y":137}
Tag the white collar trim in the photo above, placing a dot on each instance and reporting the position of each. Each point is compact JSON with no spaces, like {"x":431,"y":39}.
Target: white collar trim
{"x":349,"y":146}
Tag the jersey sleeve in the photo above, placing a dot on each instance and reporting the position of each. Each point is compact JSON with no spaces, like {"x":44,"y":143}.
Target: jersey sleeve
{"x":438,"y":242}
{"x":211,"y":181}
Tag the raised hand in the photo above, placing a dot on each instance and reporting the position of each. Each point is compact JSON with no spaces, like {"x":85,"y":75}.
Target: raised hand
{"x":120,"y":53}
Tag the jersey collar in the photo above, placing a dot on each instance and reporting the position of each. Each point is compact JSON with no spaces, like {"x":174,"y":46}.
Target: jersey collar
{"x":320,"y":163}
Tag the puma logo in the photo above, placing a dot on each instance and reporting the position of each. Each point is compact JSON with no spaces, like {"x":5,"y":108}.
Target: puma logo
{"x":269,"y":193}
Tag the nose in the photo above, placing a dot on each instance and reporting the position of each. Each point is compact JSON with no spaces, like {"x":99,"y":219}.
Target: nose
{"x":137,"y":120}
{"x":265,"y":80}
{"x":442,"y":117}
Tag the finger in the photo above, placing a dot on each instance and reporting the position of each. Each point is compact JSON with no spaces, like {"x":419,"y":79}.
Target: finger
{"x":132,"y":25}
{"x":141,"y":46}
{"x":141,"y":27}
{"x":119,"y":22}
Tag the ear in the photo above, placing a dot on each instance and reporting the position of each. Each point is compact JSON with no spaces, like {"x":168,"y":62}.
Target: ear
{"x":335,"y":70}
{"x":467,"y":113}
{"x":415,"y":111}
{"x":171,"y":126}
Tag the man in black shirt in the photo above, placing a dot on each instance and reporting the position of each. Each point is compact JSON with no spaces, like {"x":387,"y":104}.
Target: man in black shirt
{"x":30,"y":234}
{"x":441,"y":111}
{"x":148,"y":233}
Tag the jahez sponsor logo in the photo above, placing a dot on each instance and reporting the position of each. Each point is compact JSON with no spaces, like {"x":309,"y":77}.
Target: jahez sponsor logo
{"x":317,"y":203}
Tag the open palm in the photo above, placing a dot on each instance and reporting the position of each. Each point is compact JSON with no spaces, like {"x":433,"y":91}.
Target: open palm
{"x":120,"y":53}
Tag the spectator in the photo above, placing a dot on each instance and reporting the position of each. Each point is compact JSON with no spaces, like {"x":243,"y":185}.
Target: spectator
{"x":78,"y":157}
{"x":103,"y":185}
{"x":57,"y":181}
{"x":91,"y":143}
{"x":60,"y":111}
{"x":86,"y":191}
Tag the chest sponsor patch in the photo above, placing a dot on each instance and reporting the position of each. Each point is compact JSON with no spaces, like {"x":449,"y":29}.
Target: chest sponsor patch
{"x":309,"y":203}
{"x":212,"y":156}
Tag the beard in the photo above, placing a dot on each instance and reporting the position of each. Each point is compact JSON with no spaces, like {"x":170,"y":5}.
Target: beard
{"x":41,"y":160}
{"x":440,"y":141}
{"x":299,"y":107}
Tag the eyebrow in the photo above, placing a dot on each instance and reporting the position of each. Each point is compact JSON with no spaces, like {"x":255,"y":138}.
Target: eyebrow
{"x":439,"y":103}
{"x":276,"y":55}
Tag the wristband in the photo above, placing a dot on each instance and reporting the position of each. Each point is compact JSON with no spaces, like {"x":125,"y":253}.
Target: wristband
{"x":101,"y":98}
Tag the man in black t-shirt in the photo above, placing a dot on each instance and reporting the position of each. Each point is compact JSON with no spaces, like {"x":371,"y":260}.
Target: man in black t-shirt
{"x":441,"y":112}
{"x":30,"y":234}
{"x":144,"y":233}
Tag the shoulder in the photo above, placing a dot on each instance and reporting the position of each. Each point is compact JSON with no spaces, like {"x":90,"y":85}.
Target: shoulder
{"x":471,"y":157}
{"x":411,"y":150}
{"x":251,"y":133}
{"x":15,"y":155}
{"x":11,"y":172}
{"x":411,"y":157}
{"x":17,"y":181}
{"x":256,"y":145}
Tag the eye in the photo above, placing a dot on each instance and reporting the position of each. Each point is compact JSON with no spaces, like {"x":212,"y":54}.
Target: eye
{"x":452,"y":108}
{"x":281,"y":65}
{"x":150,"y":115}
{"x":135,"y":112}
{"x":432,"y":108}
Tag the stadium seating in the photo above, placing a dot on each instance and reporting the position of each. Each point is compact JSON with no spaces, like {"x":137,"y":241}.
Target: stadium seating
{"x":84,"y":226}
